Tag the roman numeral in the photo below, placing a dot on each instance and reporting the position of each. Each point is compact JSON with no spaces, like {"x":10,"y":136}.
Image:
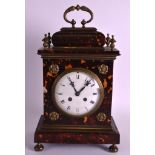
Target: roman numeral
{"x":68,"y":78}
{"x":86,"y":79}
{"x":62,"y":101}
{"x":77,"y":76}
{"x":94,"y":93}
{"x":92,"y":85}
{"x":86,"y":108}
{"x":92,"y":102}
{"x":68,"y":108}
{"x":59,"y":93}
{"x":77,"y":109}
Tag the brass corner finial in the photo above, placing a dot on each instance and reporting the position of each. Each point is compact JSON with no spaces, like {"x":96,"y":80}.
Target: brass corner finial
{"x":112,"y":42}
{"x":108,"y":40}
{"x":47,"y":40}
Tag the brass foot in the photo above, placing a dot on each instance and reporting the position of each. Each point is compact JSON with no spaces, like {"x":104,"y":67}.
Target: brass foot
{"x":38,"y":147}
{"x":113,"y":148}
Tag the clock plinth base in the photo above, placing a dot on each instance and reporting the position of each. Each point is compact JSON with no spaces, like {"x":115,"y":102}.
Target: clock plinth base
{"x":44,"y":134}
{"x":113,"y":148}
{"x":38,"y":147}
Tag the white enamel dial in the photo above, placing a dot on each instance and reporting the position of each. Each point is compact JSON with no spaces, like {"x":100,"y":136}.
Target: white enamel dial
{"x":78,"y":92}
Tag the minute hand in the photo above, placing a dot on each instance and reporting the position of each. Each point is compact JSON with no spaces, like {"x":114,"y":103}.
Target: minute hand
{"x":72,"y":84}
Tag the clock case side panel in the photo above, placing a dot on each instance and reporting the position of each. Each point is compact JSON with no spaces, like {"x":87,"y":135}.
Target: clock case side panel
{"x":66,"y":64}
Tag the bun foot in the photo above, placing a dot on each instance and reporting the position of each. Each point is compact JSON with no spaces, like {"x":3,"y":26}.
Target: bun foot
{"x":38,"y":147}
{"x":113,"y":148}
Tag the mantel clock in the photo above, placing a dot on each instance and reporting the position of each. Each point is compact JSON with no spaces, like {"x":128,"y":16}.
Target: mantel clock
{"x":77,"y":86}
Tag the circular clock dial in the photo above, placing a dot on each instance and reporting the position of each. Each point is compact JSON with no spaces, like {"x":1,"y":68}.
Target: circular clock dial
{"x":78,"y":92}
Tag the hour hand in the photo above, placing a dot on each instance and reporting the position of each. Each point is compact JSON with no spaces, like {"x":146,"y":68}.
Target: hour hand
{"x":86,"y":84}
{"x":72,"y":84}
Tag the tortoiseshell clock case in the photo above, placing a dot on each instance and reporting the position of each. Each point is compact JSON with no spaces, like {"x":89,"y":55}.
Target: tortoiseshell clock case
{"x":77,"y":48}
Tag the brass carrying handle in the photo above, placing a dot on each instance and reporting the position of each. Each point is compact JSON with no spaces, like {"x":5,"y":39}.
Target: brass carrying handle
{"x":83,"y":8}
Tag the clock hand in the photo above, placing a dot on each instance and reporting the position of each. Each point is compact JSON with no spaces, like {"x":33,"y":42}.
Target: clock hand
{"x":72,"y":84}
{"x":86,"y":84}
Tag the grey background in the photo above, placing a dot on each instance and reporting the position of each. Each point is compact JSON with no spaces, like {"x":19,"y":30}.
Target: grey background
{"x":110,"y":16}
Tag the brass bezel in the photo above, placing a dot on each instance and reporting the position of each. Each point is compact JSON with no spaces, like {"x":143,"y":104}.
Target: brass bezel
{"x":94,"y":76}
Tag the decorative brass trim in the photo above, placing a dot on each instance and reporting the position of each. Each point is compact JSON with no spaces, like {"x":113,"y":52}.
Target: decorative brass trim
{"x":47,"y":40}
{"x":101,"y":117}
{"x":76,"y":128}
{"x":83,"y":8}
{"x":54,"y":116}
{"x":103,"y":69}
{"x":77,"y":57}
{"x":93,"y":75}
{"x":54,"y":68}
{"x":112,"y":42}
{"x":108,"y":40}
